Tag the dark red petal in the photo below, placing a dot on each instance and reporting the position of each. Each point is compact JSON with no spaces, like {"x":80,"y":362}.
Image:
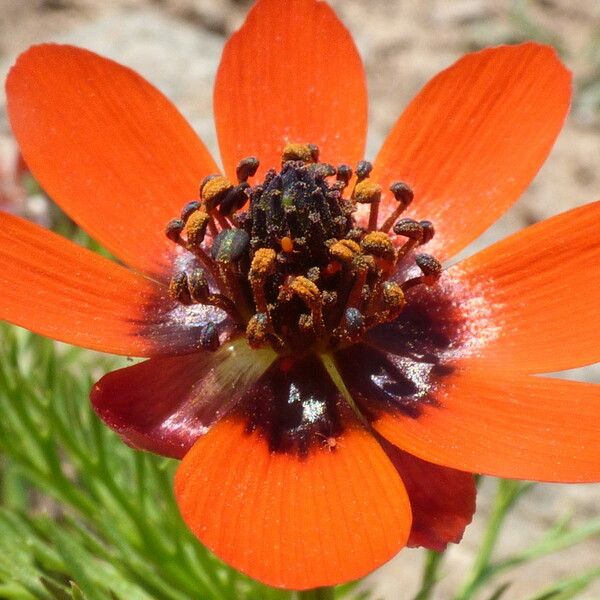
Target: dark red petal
{"x":442,"y":500}
{"x":290,"y":74}
{"x":291,"y":489}
{"x":164,"y":404}
{"x":473,"y":139}
{"x":108,"y":147}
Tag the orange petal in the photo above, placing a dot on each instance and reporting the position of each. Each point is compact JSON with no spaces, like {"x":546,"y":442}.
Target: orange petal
{"x":538,"y":293}
{"x":108,"y":147}
{"x":504,"y":424}
{"x":60,"y":290}
{"x":294,"y":521}
{"x":291,"y":73}
{"x":474,"y":137}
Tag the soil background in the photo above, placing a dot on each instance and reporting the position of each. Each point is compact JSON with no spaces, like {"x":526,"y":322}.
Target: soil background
{"x":176,"y":44}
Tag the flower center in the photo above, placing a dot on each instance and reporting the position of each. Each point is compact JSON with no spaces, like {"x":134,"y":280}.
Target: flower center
{"x":294,"y":269}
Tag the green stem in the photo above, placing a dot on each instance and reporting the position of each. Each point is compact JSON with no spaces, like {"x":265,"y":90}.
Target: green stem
{"x":506,"y":496}
{"x":322,"y":593}
{"x":430,"y":575}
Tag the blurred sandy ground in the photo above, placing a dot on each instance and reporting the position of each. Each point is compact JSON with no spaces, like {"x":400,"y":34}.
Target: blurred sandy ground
{"x":176,"y":44}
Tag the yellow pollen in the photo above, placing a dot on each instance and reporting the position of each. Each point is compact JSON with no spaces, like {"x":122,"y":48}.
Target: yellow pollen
{"x":195,"y":228}
{"x":367,"y":192}
{"x":263,"y":262}
{"x":344,"y":250}
{"x":393,"y":295}
{"x":306,"y":290}
{"x":297,"y":152}
{"x":215,"y":188}
{"x":178,"y":287}
{"x":378,"y":244}
{"x":256,"y":331}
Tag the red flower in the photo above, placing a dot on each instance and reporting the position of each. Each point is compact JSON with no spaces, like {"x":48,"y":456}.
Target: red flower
{"x":284,"y":474}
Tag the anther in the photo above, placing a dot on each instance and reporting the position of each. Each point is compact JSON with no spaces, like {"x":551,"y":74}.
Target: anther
{"x":234,"y":199}
{"x":174,"y":229}
{"x":413,"y":231}
{"x":344,"y":174}
{"x":409,"y":228}
{"x":353,"y":327}
{"x":379,"y":245}
{"x":430,"y":266}
{"x":178,"y":289}
{"x":402,"y":193}
{"x":431,"y":269}
{"x":428,"y":231}
{"x":214,"y":189}
{"x":367,"y":192}
{"x":230,"y":245}
{"x":393,"y":298}
{"x":257,"y":330}
{"x":404,"y":196}
{"x":363,"y":169}
{"x":246,"y":168}
{"x":323,"y":169}
{"x":198,"y":286}
{"x":195,"y":228}
{"x":188,"y":209}
{"x":310,"y":294}
{"x":344,"y":251}
{"x":209,"y":337}
{"x":300,"y":152}
{"x":314,"y":151}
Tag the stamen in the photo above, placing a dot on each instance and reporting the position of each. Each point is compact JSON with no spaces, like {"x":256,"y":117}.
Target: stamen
{"x":363,"y":169}
{"x":307,"y":153}
{"x":178,"y":289}
{"x":361,"y":265}
{"x":230,"y":245}
{"x":404,"y":196}
{"x":198,"y":286}
{"x":246,"y":168}
{"x":263,"y":265}
{"x":195,"y":228}
{"x":344,"y":251}
{"x":353,"y":327}
{"x":379,"y":245}
{"x":431,"y":269}
{"x":257,"y":330}
{"x":310,"y":294}
{"x":209,"y":337}
{"x":213,"y":190}
{"x":174,"y":229}
{"x":413,"y":231}
{"x":295,"y":270}
{"x":189,"y":209}
{"x":428,"y":231}
{"x":344,"y":175}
